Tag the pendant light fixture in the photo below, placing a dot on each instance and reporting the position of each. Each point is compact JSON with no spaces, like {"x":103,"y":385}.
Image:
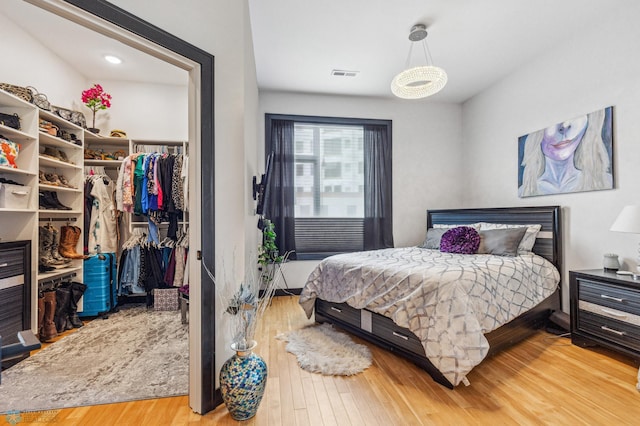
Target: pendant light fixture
{"x":421,"y":81}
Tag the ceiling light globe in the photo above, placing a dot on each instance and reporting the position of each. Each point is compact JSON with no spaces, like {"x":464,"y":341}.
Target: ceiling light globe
{"x":419,"y":82}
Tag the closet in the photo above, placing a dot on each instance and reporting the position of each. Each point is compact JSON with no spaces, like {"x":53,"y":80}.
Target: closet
{"x":45,"y":166}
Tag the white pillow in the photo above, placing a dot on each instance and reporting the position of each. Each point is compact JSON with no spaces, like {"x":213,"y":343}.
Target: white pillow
{"x":527,"y":242}
{"x":475,"y":226}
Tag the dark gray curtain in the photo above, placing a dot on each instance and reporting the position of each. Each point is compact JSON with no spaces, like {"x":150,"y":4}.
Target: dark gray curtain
{"x":279,"y":205}
{"x":378,"y":226}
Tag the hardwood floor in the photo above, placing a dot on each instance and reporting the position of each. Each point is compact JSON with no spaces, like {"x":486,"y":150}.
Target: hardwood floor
{"x":544,"y":380}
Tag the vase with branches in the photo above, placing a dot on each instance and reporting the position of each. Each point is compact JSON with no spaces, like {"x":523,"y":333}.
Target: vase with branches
{"x":96,"y":99}
{"x":243,"y":376}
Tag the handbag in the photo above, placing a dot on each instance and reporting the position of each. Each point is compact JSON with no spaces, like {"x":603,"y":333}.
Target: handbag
{"x":10,"y":120}
{"x":75,"y":117}
{"x":39,"y":99}
{"x":19,"y":91}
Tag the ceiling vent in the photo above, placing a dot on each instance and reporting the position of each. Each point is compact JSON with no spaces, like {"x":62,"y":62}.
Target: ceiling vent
{"x":344,"y":73}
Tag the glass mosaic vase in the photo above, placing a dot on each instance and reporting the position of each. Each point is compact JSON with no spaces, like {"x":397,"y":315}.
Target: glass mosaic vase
{"x":243,"y":379}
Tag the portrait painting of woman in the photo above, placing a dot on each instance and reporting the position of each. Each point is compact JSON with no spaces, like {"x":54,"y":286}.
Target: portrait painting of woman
{"x":572,"y":156}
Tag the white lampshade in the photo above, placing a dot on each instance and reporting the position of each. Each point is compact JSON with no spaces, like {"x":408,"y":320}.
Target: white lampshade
{"x":628,"y":220}
{"x":419,"y":82}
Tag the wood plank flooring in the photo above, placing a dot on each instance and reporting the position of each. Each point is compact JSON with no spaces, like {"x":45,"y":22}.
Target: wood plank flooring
{"x":542,"y":381}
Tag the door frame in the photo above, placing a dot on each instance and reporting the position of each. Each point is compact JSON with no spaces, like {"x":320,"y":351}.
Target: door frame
{"x":114,"y":22}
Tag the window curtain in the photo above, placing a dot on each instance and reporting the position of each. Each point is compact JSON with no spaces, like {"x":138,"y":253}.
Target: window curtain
{"x":378,"y":226}
{"x":279,"y":205}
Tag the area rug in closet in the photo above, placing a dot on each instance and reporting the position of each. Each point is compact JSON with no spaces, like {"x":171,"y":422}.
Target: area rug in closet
{"x":322,"y":349}
{"x":134,"y":354}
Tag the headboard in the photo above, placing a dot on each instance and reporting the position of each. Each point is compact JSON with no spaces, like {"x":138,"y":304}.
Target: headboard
{"x":548,"y":243}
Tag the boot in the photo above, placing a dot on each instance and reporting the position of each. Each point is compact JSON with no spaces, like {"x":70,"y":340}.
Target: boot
{"x":77,"y":235}
{"x":49,"y":331}
{"x":68,"y":241}
{"x":45,"y":239}
{"x":53,"y":196}
{"x":55,"y":246}
{"x":61,"y":318}
{"x":41,"y":310}
{"x":77,"y":290}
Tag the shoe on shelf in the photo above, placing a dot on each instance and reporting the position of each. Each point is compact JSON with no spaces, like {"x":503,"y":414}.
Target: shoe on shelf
{"x":49,"y":201}
{"x":52,"y":179}
{"x":52,"y":153}
{"x":42,"y":178}
{"x":65,"y":182}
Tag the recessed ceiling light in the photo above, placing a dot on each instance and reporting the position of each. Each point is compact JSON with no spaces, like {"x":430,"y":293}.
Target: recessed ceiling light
{"x":112,"y":59}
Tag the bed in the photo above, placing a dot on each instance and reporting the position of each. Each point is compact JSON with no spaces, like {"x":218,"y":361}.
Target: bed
{"x":432,"y":317}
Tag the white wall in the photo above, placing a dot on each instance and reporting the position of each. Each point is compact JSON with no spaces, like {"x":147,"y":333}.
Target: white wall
{"x":31,"y":64}
{"x":591,"y":70}
{"x":424,"y":133}
{"x":143,"y":110}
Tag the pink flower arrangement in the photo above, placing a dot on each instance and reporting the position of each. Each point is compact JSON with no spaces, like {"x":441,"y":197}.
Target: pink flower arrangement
{"x":95,"y":98}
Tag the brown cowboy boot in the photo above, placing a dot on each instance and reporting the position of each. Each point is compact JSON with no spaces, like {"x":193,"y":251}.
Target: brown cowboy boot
{"x":49,"y":331}
{"x":68,"y":240}
{"x":41,"y":310}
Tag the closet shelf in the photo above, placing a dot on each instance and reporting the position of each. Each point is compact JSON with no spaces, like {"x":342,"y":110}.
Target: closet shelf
{"x":46,"y":161}
{"x":45,"y":211}
{"x":4,"y":169}
{"x":56,"y":119}
{"x":49,"y":140}
{"x":15,"y":135}
{"x":16,"y":210}
{"x":59,"y":188}
{"x":58,"y":273}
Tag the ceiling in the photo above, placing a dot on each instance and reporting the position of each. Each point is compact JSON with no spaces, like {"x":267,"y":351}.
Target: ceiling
{"x":298,"y":43}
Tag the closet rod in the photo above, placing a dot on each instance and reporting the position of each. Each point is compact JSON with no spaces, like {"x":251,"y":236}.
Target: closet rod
{"x":57,"y":219}
{"x":58,"y":279}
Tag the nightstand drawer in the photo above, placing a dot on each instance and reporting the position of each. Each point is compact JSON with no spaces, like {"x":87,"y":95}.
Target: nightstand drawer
{"x":339,"y":311}
{"x":609,"y":295}
{"x":388,"y":330}
{"x":612,"y":313}
{"x":622,"y":333}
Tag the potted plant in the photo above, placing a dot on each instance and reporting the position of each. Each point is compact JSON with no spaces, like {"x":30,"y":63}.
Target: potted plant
{"x":95,"y":98}
{"x":268,"y":253}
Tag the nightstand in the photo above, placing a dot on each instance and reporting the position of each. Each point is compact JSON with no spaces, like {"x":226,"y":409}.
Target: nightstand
{"x":605,"y":311}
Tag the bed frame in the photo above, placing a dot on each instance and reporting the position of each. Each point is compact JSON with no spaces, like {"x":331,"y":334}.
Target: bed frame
{"x":383,"y":332}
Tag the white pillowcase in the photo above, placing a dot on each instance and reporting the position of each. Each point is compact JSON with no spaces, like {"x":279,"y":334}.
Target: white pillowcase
{"x":475,"y":226}
{"x":527,"y":242}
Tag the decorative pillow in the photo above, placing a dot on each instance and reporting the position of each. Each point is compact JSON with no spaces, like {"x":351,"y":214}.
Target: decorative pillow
{"x":501,"y":242}
{"x":9,"y":151}
{"x":433,"y":238}
{"x":463,"y":240}
{"x":529,"y":239}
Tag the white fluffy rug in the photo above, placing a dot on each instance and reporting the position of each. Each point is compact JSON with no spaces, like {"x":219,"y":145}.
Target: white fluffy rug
{"x":321,"y":349}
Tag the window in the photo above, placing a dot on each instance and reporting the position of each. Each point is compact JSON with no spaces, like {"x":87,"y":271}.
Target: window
{"x":331,"y":190}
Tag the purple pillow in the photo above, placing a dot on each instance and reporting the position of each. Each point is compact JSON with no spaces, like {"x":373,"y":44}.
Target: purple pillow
{"x":463,"y":240}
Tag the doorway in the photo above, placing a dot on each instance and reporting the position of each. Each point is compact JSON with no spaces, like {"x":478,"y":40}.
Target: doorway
{"x":117,"y":24}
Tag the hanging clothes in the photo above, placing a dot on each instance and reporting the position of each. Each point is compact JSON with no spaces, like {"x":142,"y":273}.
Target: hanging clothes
{"x":102,"y":230}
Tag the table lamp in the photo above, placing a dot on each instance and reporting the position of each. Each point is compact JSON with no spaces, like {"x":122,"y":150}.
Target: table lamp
{"x":629,"y":221}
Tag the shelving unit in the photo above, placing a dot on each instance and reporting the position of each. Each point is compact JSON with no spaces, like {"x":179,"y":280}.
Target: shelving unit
{"x":20,"y":224}
{"x":71,"y":167}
